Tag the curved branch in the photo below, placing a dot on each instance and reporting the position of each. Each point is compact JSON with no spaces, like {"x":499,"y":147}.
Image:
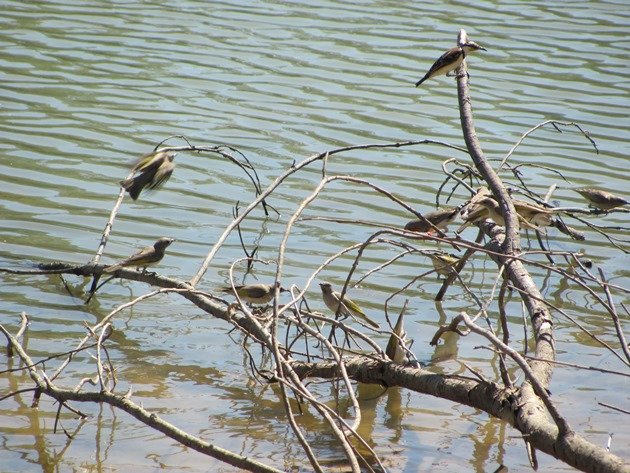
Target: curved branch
{"x":148,"y":418}
{"x":282,"y":177}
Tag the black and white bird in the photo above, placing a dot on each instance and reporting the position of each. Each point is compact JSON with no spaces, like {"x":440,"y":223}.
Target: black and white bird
{"x":451,"y":60}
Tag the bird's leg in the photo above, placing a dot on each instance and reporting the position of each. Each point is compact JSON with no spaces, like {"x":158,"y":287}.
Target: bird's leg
{"x":258,"y":311}
{"x":346,"y":340}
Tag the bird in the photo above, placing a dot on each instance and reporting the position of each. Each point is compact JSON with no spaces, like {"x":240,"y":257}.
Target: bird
{"x":153,"y":170}
{"x":344,"y":307}
{"x":254,"y":293}
{"x":480,"y":210}
{"x":534,"y":215}
{"x":148,"y":256}
{"x":439,"y":218}
{"x":600,"y":199}
{"x":395,"y":349}
{"x":451,"y":60}
{"x":443,"y":262}
{"x":529,"y":215}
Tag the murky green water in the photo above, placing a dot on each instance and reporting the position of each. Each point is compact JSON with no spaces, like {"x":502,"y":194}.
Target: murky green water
{"x":87,"y":87}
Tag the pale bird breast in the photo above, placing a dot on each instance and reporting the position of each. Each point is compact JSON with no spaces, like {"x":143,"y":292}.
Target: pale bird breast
{"x":451,"y":66}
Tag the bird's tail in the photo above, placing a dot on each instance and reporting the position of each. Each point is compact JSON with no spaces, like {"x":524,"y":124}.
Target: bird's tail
{"x":371,"y":322}
{"x":132,"y":186}
{"x":421,"y":81}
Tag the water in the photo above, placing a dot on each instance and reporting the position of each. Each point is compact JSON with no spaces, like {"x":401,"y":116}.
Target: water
{"x":88,"y":87}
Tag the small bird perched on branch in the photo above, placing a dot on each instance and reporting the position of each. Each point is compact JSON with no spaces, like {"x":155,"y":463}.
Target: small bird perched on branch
{"x":153,"y":169}
{"x":529,"y":215}
{"x":535,"y":215}
{"x":440,"y":218}
{"x":346,"y":307}
{"x":601,"y":199}
{"x":254,"y":293}
{"x":443,"y":262}
{"x":451,"y":60}
{"x":149,"y":256}
{"x":480,"y":210}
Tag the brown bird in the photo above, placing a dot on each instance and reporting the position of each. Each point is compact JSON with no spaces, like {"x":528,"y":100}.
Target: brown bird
{"x":480,"y":193}
{"x":601,"y":199}
{"x":153,"y":169}
{"x":450,"y":60}
{"x":535,"y":215}
{"x":149,"y":256}
{"x":529,"y":215}
{"x":482,"y":209}
{"x":254,"y":293}
{"x":440,"y":218}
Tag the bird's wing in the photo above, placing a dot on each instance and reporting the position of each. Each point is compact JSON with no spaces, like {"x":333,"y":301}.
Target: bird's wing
{"x":150,"y":160}
{"x":257,"y":291}
{"x":139,"y":256}
{"x":352,"y":306}
{"x":162,"y":175}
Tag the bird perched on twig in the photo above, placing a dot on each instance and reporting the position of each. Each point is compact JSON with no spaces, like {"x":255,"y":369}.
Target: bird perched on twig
{"x":440,"y":218}
{"x":480,"y":210}
{"x":153,"y":170}
{"x":443,"y":262}
{"x":601,"y":199}
{"x":536,"y":215}
{"x":529,"y":215}
{"x":344,"y":307}
{"x":149,"y":256}
{"x":450,"y":60}
{"x":254,"y":293}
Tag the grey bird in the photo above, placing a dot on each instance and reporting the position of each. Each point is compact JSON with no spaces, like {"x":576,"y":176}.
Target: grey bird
{"x":153,"y":170}
{"x":149,"y":256}
{"x":345,"y":308}
{"x":254,"y":293}
{"x":450,"y":60}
